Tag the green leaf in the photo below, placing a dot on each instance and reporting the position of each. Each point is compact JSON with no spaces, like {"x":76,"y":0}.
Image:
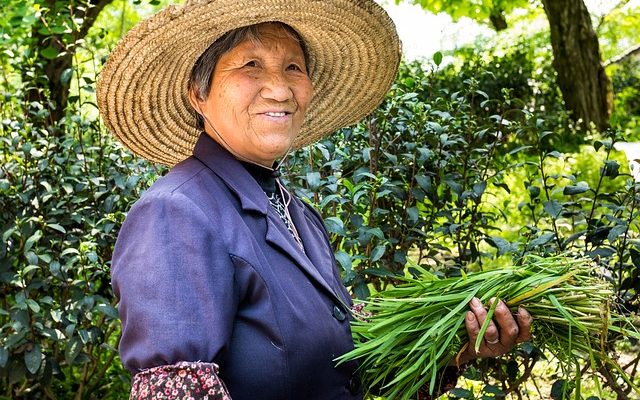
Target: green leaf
{"x":7,"y":234}
{"x":28,"y":269}
{"x":503,"y":186}
{"x":108,"y":310}
{"x":377,"y":232}
{"x":597,"y":145}
{"x":615,"y":232}
{"x":377,"y":253}
{"x":611,"y":168}
{"x":32,"y":240}
{"x":72,"y":350}
{"x":33,"y":359}
{"x":553,"y":208}
{"x":49,"y":53}
{"x":542,"y":239}
{"x":69,"y":250}
{"x":424,"y":182}
{"x":635,"y":257}
{"x":560,"y":390}
{"x":57,"y":227}
{"x":381,"y":272}
{"x":503,"y":246}
{"x":519,"y":149}
{"x":493,"y":389}
{"x":33,"y":305}
{"x":437,"y":58}
{"x":413,"y":214}
{"x":602,"y":252}
{"x":4,"y":357}
{"x":571,"y":190}
{"x":335,"y":225}
{"x":479,"y":188}
{"x":360,"y":288}
{"x":461,"y":393}
{"x":313,"y":179}
{"x":554,"y":154}
{"x":343,"y":259}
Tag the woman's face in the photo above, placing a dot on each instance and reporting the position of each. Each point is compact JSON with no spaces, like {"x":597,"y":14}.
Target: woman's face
{"x":259,"y":95}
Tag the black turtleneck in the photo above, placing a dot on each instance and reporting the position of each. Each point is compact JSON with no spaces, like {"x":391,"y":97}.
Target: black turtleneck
{"x":266,"y":177}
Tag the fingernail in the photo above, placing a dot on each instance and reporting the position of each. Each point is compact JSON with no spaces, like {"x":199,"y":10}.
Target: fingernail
{"x":475,"y":302}
{"x":470,"y":316}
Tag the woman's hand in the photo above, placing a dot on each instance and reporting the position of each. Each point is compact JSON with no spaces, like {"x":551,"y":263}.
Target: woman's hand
{"x":502,"y":334}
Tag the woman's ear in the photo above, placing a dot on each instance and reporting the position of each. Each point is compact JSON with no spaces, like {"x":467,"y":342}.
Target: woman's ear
{"x":195,"y":102}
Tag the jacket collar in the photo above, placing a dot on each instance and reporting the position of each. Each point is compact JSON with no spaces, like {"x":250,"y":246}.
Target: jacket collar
{"x":232,"y":172}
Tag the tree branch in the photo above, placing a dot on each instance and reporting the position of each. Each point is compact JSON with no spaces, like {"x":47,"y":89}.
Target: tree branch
{"x":621,"y":57}
{"x":93,"y":9}
{"x":604,"y":16}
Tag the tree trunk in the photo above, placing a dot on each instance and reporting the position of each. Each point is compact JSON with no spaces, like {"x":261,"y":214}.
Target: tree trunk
{"x":585,"y":87}
{"x":57,"y":88}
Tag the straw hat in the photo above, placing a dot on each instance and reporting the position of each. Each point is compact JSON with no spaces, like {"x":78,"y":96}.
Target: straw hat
{"x":353,"y":49}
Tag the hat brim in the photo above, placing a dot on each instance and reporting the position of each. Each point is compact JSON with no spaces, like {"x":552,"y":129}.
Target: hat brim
{"x":353,"y":48}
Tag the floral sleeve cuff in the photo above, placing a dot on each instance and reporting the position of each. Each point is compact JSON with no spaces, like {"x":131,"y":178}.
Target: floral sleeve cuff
{"x":180,"y":381}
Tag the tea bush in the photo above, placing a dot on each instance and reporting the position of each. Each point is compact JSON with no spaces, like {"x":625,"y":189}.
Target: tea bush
{"x":451,"y":175}
{"x":62,"y":200}
{"x":432,"y":178}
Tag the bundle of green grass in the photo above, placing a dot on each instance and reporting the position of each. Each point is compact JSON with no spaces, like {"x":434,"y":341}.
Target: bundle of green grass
{"x":415,"y":329}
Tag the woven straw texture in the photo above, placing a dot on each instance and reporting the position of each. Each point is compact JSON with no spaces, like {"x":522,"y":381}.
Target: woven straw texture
{"x":354,"y":53}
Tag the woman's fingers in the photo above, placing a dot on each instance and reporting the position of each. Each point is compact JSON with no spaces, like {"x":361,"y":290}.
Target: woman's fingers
{"x":509,"y":329}
{"x":473,"y":328}
{"x":524,"y":322}
{"x":491,"y":336}
{"x":504,"y":331}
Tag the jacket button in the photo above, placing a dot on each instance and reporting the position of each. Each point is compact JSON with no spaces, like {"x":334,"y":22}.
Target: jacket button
{"x":355,"y":384}
{"x":338,"y":313}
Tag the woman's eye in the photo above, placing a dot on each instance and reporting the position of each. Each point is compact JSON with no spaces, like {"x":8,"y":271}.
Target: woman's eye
{"x":251,"y":63}
{"x":294,"y":67}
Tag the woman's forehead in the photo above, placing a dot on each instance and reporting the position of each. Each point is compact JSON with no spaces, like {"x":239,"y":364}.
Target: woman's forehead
{"x":273,"y":31}
{"x":269,"y":37}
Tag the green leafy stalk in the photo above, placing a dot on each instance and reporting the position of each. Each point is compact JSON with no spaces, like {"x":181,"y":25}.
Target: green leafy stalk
{"x":415,"y":329}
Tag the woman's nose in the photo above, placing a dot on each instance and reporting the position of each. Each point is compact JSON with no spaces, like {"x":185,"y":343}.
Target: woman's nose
{"x":276,"y":87}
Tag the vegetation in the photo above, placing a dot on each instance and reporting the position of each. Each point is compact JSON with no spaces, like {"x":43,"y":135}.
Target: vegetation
{"x":407,"y":334}
{"x":463,"y":168}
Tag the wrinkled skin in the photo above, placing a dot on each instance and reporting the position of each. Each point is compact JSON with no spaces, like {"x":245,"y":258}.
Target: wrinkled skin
{"x":503,"y":333}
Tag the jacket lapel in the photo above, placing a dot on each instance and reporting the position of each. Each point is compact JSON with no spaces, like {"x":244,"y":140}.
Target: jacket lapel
{"x":252,"y":198}
{"x":280,"y":237}
{"x":317,"y":249}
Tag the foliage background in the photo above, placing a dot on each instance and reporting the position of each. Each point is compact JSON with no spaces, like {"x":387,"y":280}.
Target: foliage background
{"x":465,"y":166}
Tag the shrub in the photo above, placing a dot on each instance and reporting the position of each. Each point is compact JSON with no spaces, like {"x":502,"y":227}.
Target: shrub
{"x":432,"y":178}
{"x":62,"y":200}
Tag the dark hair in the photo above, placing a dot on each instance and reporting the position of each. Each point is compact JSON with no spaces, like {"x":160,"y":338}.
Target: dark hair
{"x":202,"y":72}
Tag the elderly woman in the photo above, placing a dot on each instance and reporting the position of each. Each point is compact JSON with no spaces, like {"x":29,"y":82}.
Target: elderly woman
{"x":227,"y":283}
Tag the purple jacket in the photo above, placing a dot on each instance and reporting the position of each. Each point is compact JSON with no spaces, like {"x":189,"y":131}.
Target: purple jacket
{"x":205,"y":270}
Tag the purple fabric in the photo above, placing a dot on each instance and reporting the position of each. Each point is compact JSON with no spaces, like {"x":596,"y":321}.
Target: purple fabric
{"x":205,"y":270}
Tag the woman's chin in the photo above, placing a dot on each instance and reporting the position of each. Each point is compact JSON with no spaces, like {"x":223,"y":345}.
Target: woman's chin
{"x":273,"y":151}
